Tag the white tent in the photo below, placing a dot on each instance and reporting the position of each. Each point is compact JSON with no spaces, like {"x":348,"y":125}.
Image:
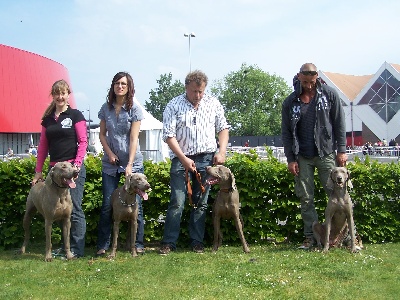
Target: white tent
{"x":94,"y":141}
{"x":150,"y":138}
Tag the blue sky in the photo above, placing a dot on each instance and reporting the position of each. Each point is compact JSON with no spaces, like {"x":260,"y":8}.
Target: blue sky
{"x":94,"y":39}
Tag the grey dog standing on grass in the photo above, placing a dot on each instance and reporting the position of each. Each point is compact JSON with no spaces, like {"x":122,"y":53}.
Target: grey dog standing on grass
{"x":53,"y":200}
{"x":125,"y":208}
{"x":226,"y":204}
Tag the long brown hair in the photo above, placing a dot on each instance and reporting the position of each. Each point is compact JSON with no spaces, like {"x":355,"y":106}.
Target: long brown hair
{"x":111,"y":97}
{"x":58,"y":87}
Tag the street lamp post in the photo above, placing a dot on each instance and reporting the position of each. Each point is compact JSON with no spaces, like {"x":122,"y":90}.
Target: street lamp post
{"x":189,"y":35}
{"x":89,"y":121}
{"x":88,"y":110}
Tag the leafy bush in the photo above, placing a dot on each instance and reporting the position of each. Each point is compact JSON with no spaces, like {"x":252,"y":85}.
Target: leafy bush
{"x":269,"y":206}
{"x":375,"y":196}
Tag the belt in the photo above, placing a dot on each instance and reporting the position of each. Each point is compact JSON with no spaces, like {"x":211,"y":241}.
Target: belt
{"x":199,"y":154}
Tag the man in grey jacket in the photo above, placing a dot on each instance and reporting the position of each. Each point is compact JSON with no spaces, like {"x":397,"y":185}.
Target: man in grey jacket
{"x":314,"y":137}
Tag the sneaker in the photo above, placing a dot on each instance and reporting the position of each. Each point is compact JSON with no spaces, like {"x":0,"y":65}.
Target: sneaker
{"x":140,"y":250}
{"x":359,"y":244}
{"x":58,"y":252}
{"x":165,"y":249}
{"x":307,"y":244}
{"x":198,"y":248}
{"x":74,"y":256}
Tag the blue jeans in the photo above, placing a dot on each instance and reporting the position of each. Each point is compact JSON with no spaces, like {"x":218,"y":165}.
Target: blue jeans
{"x":178,"y":199}
{"x":110,"y":183}
{"x":78,"y":221}
{"x":304,"y":186}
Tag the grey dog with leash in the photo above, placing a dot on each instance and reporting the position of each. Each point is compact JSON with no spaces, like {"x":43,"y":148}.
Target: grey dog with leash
{"x":226,"y":205}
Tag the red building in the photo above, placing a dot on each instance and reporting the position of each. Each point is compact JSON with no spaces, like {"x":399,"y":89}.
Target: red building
{"x":25,"y":84}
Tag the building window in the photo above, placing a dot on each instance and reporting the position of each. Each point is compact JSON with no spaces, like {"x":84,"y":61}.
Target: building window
{"x":384,"y":96}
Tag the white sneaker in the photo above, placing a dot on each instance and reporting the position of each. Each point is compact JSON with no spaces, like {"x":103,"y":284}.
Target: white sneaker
{"x":307,"y":243}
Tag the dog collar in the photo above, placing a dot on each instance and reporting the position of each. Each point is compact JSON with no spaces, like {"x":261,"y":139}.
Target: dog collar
{"x":124,"y":202}
{"x":57,"y":185}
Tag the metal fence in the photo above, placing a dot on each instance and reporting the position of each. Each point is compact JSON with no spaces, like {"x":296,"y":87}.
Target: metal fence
{"x":382,"y":154}
{"x":262,"y":151}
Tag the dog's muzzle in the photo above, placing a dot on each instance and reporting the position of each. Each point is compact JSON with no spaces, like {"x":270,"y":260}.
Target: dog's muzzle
{"x":339,"y":181}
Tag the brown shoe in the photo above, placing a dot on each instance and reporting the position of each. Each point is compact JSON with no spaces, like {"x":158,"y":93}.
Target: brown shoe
{"x":101,"y":253}
{"x":164,"y":249}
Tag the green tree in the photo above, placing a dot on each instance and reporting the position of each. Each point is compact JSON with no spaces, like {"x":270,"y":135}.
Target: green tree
{"x":252,"y":100}
{"x":160,"y":97}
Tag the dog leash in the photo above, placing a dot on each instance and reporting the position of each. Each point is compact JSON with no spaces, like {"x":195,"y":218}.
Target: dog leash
{"x":189,"y":186}
{"x":229,"y":190}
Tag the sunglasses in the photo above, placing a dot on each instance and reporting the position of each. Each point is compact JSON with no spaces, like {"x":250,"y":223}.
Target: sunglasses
{"x":309,"y":73}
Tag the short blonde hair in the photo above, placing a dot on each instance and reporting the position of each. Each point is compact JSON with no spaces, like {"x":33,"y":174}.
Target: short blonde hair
{"x":196,"y":76}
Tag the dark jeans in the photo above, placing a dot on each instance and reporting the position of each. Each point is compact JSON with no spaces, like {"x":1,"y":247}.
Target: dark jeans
{"x":110,"y":183}
{"x":178,"y":199}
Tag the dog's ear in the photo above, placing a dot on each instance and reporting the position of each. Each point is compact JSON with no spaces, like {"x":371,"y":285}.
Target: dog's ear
{"x":349,"y":183}
{"x":49,"y":176}
{"x":51,"y":172}
{"x":127,"y":183}
{"x":330,"y":183}
{"x":233,"y":185}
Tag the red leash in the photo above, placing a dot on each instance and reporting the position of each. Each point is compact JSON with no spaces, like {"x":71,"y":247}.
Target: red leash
{"x":189,"y":186}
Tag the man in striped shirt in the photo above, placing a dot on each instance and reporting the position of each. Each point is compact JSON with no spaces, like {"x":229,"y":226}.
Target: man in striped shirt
{"x":190,"y":124}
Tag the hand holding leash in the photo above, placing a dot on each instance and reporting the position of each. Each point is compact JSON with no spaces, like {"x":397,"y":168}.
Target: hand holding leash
{"x":189,"y":186}
{"x":341,"y":159}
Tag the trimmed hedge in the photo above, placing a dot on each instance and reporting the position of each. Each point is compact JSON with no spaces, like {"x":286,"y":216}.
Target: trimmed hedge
{"x":269,"y":207}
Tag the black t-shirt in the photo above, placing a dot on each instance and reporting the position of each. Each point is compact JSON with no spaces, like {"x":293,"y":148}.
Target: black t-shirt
{"x":61,"y":134}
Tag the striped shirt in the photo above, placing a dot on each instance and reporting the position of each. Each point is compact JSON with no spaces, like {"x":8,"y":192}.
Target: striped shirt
{"x":194,"y":129}
{"x":305,"y":129}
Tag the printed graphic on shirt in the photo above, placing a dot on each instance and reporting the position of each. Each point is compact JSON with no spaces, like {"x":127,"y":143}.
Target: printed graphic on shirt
{"x":66,"y":123}
{"x":296,"y":112}
{"x":322,"y":103}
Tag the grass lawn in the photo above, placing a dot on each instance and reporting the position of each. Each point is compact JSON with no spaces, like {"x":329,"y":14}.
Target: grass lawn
{"x":267,"y":272}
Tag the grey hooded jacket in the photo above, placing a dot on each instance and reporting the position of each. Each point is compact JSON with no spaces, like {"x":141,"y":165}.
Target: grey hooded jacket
{"x":330,"y":125}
